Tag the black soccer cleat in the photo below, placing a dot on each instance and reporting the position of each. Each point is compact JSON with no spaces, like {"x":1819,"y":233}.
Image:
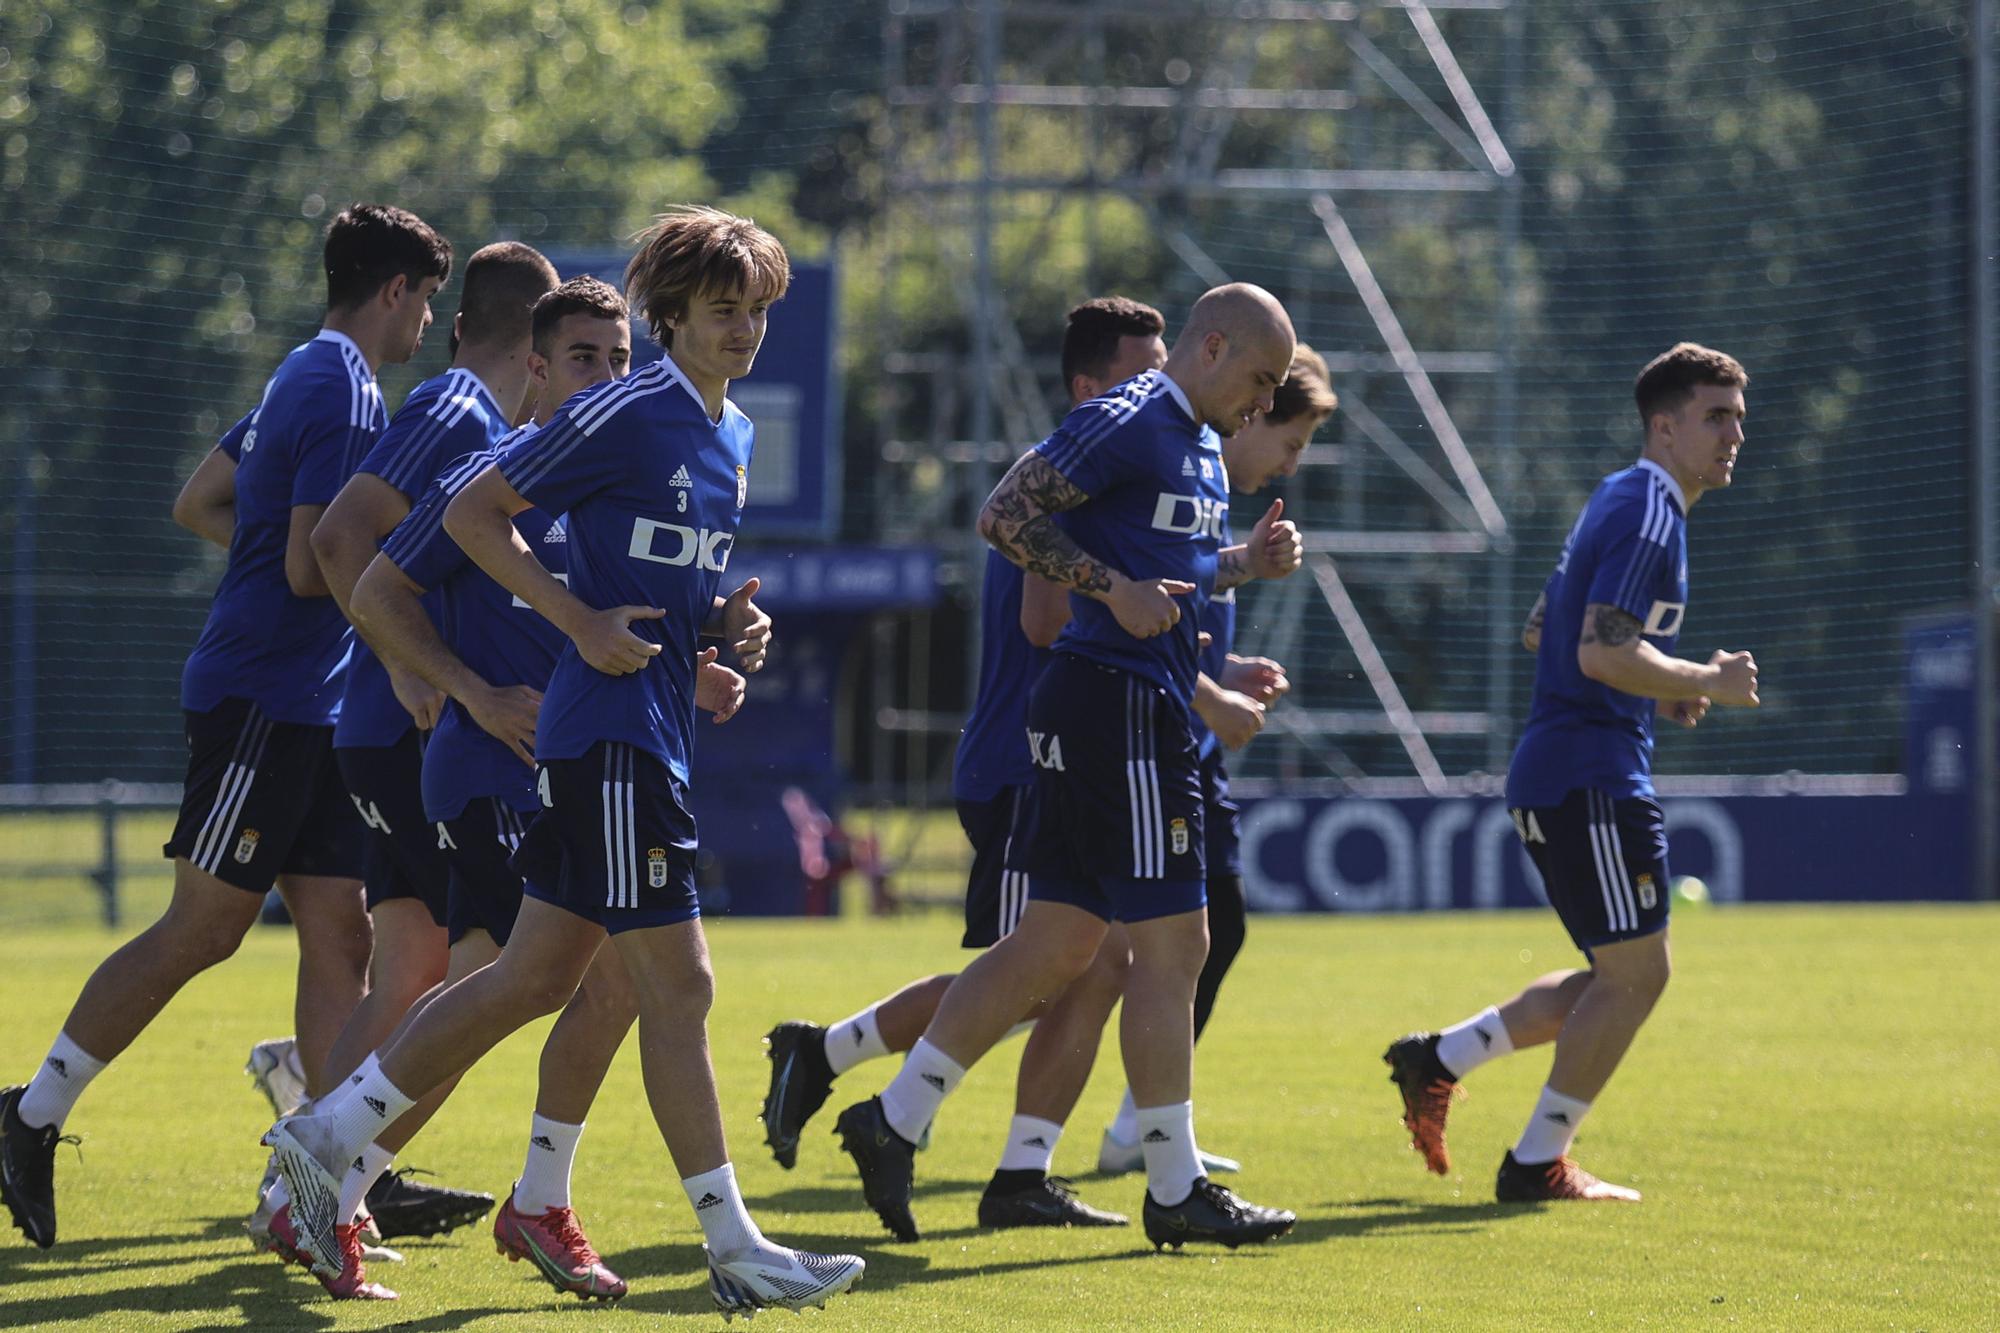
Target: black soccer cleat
{"x":1211,"y":1212}
{"x":887,"y":1162}
{"x":1428,"y":1089}
{"x":1552,"y":1182}
{"x":800,"y":1080}
{"x":405,"y":1207}
{"x":1051,"y":1203}
{"x":28,"y":1169}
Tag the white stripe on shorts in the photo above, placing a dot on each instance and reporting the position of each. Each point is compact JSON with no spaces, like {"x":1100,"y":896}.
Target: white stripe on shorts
{"x":233,"y":790}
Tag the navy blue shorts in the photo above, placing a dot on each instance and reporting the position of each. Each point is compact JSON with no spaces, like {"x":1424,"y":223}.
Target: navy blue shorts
{"x":263,"y":799}
{"x":1603,"y":861}
{"x":480,"y":842}
{"x":1113,"y":823}
{"x":994,"y":895}
{"x":614,"y":842}
{"x":1219,"y":815}
{"x":403,"y":858}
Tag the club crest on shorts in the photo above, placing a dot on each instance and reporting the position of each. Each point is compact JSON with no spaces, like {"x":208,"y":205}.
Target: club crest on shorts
{"x":246,"y":846}
{"x":742,"y":485}
{"x":1178,"y":834}
{"x":656,"y":867}
{"x":1649,"y":896}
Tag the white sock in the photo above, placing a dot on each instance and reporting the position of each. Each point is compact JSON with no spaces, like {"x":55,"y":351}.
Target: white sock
{"x":1166,"y":1137}
{"x":370,"y":1064}
{"x":372,"y":1161}
{"x":1551,"y":1129}
{"x":920,"y":1086}
{"x":1031,"y":1144}
{"x":1468,"y":1045}
{"x":544,"y":1182}
{"x":853,"y":1040}
{"x":718,"y":1206}
{"x":53,"y":1091}
{"x":1125,"y":1128}
{"x":365,"y":1108}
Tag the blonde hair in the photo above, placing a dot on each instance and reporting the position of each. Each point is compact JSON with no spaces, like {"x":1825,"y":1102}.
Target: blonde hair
{"x":1307,"y":390}
{"x":691,"y":251}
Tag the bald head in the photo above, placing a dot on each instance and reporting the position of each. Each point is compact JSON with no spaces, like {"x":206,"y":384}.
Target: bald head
{"x":1232,"y":354}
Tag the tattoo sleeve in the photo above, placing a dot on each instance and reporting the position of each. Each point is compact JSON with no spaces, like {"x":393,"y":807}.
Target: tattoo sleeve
{"x":1019,"y":520}
{"x":1608,"y":625}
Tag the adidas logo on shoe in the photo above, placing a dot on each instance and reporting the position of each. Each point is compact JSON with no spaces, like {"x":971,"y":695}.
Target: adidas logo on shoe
{"x":680,"y":477}
{"x":1156,"y":1136}
{"x":935,"y":1080}
{"x":542,"y":1141}
{"x":56,"y":1063}
{"x":377,"y":1105}
{"x":708,"y":1201}
{"x":1036,"y":1142}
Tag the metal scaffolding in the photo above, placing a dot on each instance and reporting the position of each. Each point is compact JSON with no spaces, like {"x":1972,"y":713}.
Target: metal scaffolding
{"x":967,"y":84}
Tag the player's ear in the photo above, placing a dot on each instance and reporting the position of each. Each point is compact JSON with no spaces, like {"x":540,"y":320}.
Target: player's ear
{"x":392,"y":290}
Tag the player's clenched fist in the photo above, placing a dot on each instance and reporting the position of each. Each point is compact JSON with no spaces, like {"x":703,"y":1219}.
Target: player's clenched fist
{"x":717,"y":689}
{"x":1146,"y":608}
{"x":608,"y":643}
{"x":1736,"y":679}
{"x":1275,"y":548}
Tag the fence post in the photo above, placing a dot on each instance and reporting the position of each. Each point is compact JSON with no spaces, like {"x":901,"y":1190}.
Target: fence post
{"x":106,"y":874}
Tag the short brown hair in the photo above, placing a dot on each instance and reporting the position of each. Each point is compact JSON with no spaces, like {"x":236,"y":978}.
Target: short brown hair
{"x":367,"y":245}
{"x":1307,"y":390}
{"x":1092,"y":331}
{"x":692,"y":251}
{"x":1670,"y":378}
{"x":502,"y":283}
{"x":578,"y":296}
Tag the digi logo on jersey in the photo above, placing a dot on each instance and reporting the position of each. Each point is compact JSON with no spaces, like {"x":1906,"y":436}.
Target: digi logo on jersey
{"x":673,"y":544}
{"x":1195,"y":515}
{"x":1664,"y":621}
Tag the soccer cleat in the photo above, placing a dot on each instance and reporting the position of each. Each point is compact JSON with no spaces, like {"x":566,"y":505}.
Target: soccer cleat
{"x":1211,"y":1212}
{"x":800,"y":1081}
{"x":1118,"y":1158}
{"x":1547,"y":1182}
{"x":28,"y":1169}
{"x":554,"y":1242}
{"x":772,"y":1275}
{"x":1052,"y":1203}
{"x":304,"y":1148}
{"x":274,"y":1067}
{"x":1428,"y":1089}
{"x":406,"y":1207}
{"x":887,"y":1163}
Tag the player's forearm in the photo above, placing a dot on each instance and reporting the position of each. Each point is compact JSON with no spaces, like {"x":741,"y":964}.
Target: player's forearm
{"x":1232,"y":567}
{"x":1207,"y":699}
{"x":485,"y":532}
{"x":1638,"y":668}
{"x":1531,"y":632}
{"x":206,"y":505}
{"x":388,"y":612}
{"x":343,"y":555}
{"x":1037,"y":545}
{"x":211,"y":523}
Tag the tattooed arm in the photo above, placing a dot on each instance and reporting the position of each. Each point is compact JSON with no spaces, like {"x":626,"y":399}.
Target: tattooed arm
{"x":1531,"y":633}
{"x":1613,"y":651}
{"x":1018,"y":519}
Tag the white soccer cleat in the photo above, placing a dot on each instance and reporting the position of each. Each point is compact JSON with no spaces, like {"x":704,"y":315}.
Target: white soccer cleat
{"x":1118,"y":1158}
{"x":773,"y":1276}
{"x":306,"y":1157}
{"x":275,"y":1068}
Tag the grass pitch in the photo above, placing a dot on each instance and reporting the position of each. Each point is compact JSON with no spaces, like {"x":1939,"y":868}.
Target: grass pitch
{"x":1810,"y":1115}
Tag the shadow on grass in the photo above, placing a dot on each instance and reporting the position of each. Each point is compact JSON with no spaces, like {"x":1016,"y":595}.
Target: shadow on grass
{"x":847,"y":1198}
{"x":1369,"y":1217}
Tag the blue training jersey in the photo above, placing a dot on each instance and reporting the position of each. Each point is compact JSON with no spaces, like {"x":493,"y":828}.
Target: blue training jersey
{"x":993,"y":752}
{"x":445,"y":417}
{"x":320,"y":413}
{"x":492,"y":631}
{"x":232,"y":439}
{"x":651,"y":492}
{"x":1158,"y":500}
{"x":1218,"y":621}
{"x":1628,"y":549}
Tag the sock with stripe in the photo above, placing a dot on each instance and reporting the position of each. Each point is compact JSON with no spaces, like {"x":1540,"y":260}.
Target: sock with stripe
{"x":912,"y":1098}
{"x":52,"y":1092}
{"x":1464,"y":1047}
{"x":1551,"y":1129}
{"x":544,"y":1182}
{"x":854,"y":1040}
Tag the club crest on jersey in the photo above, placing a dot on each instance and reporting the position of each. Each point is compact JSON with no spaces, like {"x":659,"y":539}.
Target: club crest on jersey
{"x":1195,"y":515}
{"x":1177,"y":834}
{"x":742,"y":485}
{"x":656,"y":867}
{"x":246,"y":846}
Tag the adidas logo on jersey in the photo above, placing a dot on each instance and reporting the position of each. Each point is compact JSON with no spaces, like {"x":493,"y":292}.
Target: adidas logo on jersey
{"x":708,"y":1201}
{"x":1187,"y":467}
{"x":554,"y":534}
{"x":680,"y":477}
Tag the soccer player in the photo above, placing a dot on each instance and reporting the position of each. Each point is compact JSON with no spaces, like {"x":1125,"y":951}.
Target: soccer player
{"x":1580,"y":786}
{"x":263,"y":801}
{"x":651,"y":475}
{"x":376,"y":741}
{"x":1230,"y":699}
{"x":1123,"y":504}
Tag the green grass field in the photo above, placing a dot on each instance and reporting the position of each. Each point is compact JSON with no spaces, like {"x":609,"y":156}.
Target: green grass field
{"x":1810,"y":1115}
